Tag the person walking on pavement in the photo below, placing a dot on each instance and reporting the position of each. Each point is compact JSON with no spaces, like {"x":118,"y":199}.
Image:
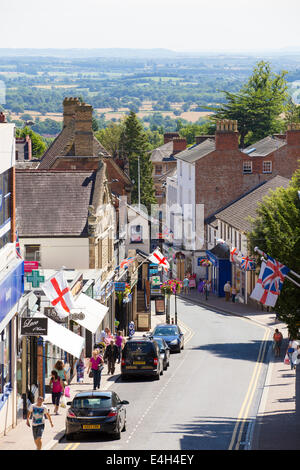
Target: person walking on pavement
{"x":60,"y":369}
{"x":186,"y":283}
{"x":227,"y":289}
{"x":277,"y":341}
{"x":296,"y":357}
{"x":233,"y":294}
{"x":38,"y":411}
{"x":96,"y":367}
{"x":79,"y":365}
{"x":292,"y":347}
{"x":111,"y":354}
{"x":57,"y":388}
{"x":119,"y":344}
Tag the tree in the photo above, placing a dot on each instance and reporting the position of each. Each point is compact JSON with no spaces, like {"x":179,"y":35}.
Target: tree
{"x":38,"y":144}
{"x":276,"y":231}
{"x":258,"y":105}
{"x":135,"y":147}
{"x":110,"y":138}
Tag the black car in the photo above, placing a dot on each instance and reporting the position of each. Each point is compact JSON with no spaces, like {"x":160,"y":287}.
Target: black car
{"x":164,"y":351}
{"x":172,"y":335}
{"x":96,"y":411}
{"x":141,"y":356}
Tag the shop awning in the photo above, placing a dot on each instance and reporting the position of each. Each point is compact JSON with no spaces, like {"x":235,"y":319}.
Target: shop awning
{"x":62,"y":337}
{"x":94,"y":312}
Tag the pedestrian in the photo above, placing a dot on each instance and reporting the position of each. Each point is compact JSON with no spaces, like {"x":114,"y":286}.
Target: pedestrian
{"x":60,"y":369}
{"x":227,"y":289}
{"x":79,"y":365}
{"x":108,"y":336}
{"x":296,"y":357}
{"x":201,"y":285}
{"x":292,"y":347}
{"x":233,"y":293}
{"x":186,"y":284}
{"x":277,"y":341}
{"x":208,"y":287}
{"x":38,"y":411}
{"x":96,"y":367}
{"x":57,"y":388}
{"x":111,"y":354}
{"x":119,"y":343}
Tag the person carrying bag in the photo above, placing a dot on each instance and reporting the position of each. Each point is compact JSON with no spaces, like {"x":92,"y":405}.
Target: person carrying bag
{"x":95,"y":368}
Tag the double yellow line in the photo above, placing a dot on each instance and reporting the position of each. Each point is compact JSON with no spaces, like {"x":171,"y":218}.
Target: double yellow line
{"x":243,"y":415}
{"x":72,"y":446}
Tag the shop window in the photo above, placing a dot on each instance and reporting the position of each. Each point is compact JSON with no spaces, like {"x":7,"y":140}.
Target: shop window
{"x":247,"y":167}
{"x":5,"y":342}
{"x":32,"y":252}
{"x":136,"y":235}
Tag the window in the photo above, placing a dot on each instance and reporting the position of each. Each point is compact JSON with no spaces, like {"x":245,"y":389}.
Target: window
{"x":5,"y":344}
{"x":136,"y":235}
{"x":158,"y":169}
{"x":247,"y":167}
{"x":267,"y":167}
{"x":32,"y":252}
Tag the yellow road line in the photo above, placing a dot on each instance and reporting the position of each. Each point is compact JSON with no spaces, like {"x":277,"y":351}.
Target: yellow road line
{"x":72,"y":446}
{"x":250,"y":393}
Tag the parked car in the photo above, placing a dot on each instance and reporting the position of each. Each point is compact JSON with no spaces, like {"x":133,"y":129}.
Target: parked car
{"x":164,"y":351}
{"x":141,"y":356}
{"x":96,"y":411}
{"x":172,"y":335}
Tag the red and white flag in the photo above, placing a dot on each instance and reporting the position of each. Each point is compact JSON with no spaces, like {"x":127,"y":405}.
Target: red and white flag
{"x":158,"y":258}
{"x":58,"y":292}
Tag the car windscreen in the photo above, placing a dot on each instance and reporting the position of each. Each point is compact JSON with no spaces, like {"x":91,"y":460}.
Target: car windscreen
{"x":92,"y":403}
{"x":142,"y":347}
{"x":165,"y":331}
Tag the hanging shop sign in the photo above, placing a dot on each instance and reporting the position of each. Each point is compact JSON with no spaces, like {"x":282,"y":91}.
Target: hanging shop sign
{"x":120,"y":286}
{"x":30,"y":265}
{"x":34,"y":326}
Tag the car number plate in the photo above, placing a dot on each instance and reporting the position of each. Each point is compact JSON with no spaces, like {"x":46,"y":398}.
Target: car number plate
{"x":139,"y":362}
{"x":91,"y":426}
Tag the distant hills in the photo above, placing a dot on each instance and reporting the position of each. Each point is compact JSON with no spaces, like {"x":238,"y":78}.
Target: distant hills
{"x":127,"y":53}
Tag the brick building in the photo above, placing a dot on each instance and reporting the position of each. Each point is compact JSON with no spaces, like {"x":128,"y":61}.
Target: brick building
{"x":164,"y":162}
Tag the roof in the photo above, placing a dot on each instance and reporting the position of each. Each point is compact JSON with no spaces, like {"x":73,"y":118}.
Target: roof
{"x":264,"y":147}
{"x":53,"y":202}
{"x":162,"y":153}
{"x":196,"y":152}
{"x":63,"y":146}
{"x":237,"y":213}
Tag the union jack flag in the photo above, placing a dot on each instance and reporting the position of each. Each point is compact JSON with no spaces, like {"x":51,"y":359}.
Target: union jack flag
{"x":270,"y":282}
{"x":247,"y":264}
{"x":126,"y":262}
{"x":18,"y":249}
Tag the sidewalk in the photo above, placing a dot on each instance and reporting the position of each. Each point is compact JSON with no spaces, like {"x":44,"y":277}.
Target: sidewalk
{"x":20,"y":438}
{"x":277,"y":425}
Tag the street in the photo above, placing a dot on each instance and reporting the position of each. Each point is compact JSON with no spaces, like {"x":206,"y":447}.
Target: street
{"x":207,"y":397}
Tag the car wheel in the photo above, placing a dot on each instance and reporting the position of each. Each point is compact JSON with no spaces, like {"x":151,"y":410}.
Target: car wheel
{"x":124,"y":427}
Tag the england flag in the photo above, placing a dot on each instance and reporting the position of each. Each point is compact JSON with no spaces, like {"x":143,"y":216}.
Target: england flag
{"x":58,"y":292}
{"x":158,"y":258}
{"x":270,"y":282}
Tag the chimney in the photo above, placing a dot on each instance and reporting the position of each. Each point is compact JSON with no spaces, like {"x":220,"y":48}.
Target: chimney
{"x":168,"y":136}
{"x":29,"y":147}
{"x":179,"y":144}
{"x":69,"y":105}
{"x":2,"y":117}
{"x":84,"y":137}
{"x":293,"y":134}
{"x":227,"y":136}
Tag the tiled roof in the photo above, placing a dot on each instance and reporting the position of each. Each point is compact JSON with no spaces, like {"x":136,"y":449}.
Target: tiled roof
{"x":162,"y":153}
{"x":264,"y":147}
{"x":53,"y":202}
{"x":195,"y":152}
{"x":238,"y":212}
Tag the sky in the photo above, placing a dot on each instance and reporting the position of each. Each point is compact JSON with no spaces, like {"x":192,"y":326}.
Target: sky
{"x":181,"y":25}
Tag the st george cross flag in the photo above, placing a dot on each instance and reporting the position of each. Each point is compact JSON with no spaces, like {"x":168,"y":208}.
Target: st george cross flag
{"x":18,"y":249}
{"x":235,"y":255}
{"x":270,"y":282}
{"x":158,"y":258}
{"x":58,"y":292}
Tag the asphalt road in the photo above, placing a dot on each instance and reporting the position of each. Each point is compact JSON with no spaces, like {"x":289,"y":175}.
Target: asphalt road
{"x":208,"y":397}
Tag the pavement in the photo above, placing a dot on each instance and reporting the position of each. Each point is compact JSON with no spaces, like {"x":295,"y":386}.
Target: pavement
{"x":277,"y":425}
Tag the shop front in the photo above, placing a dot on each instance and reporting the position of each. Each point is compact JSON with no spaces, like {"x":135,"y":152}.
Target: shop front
{"x":220,"y":270}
